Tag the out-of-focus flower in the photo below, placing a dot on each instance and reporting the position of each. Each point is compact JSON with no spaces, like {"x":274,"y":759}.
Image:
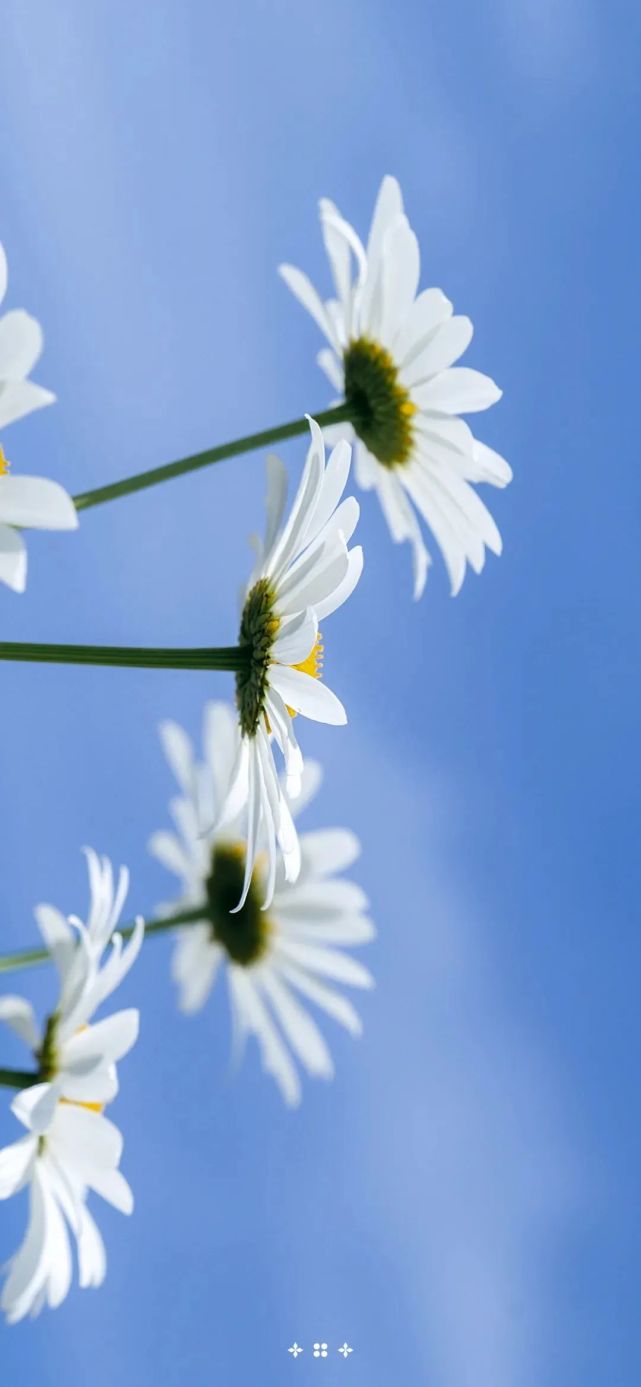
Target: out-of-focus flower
{"x":272,"y":958}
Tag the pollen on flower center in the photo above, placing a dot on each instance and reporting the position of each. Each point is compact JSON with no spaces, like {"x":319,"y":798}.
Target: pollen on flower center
{"x":4,"y":463}
{"x":380,"y":407}
{"x":258,"y":630}
{"x":312,"y":665}
{"x":244,"y":935}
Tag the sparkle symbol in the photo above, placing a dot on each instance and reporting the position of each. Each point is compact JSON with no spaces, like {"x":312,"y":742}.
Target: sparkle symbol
{"x":295,"y":1349}
{"x":320,"y":1350}
{"x":345,"y":1350}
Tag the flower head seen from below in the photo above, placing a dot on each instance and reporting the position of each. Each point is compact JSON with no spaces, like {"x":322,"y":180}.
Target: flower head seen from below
{"x":25,"y":502}
{"x":391,"y":357}
{"x":305,"y":570}
{"x":70,"y":1147}
{"x":296,"y":949}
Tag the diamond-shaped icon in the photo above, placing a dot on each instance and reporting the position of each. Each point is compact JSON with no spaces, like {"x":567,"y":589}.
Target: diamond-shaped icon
{"x":295,"y":1349}
{"x":345,"y":1350}
{"x":320,"y":1350}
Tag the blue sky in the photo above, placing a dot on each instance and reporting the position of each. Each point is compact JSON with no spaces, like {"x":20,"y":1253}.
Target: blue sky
{"x":461,"y":1204}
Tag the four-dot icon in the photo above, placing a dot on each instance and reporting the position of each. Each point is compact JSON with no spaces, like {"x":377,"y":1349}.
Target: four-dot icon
{"x":320,"y":1349}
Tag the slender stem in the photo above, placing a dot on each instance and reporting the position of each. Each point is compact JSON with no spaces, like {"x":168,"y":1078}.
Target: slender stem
{"x":227,"y":657}
{"x":140,"y":480}
{"x":28,"y":958}
{"x":18,"y":1078}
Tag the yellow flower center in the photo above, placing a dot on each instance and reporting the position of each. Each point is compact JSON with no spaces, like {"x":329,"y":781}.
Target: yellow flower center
{"x":4,"y":463}
{"x":312,"y":665}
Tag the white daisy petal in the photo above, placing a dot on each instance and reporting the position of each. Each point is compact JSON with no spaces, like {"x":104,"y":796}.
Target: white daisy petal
{"x":15,"y":1165}
{"x":13,"y":558}
{"x":19,"y":1015}
{"x":302,"y":1033}
{"x":21,"y":397}
{"x":308,"y":696}
{"x":20,"y":344}
{"x":330,"y":364}
{"x":328,"y":963}
{"x":329,"y":850}
{"x":92,"y":1258}
{"x":296,"y":638}
{"x":457,"y":390}
{"x":429,"y":310}
{"x":255,"y":1019}
{"x":304,"y":291}
{"x":337,"y":1006}
{"x":445,"y":346}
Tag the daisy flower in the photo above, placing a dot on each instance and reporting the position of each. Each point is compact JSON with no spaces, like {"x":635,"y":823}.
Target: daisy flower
{"x":391,"y":357}
{"x":304,"y":571}
{"x":68,"y":1150}
{"x":273,"y":958}
{"x":70,"y":1147}
{"x":27,"y":502}
{"x":75,"y":1058}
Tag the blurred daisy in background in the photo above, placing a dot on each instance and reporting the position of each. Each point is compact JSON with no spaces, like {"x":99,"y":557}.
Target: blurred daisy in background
{"x":274,"y":958}
{"x":391,"y":358}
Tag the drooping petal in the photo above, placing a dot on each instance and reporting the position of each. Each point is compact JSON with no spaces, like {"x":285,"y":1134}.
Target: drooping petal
{"x":92,"y":1258}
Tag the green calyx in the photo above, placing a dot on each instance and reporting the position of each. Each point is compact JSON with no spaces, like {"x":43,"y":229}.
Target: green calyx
{"x":243,"y":935}
{"x":47,"y":1055}
{"x":258,"y":629}
{"x":379,"y":407}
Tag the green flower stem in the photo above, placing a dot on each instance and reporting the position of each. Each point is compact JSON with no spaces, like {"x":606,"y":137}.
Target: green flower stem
{"x":336,"y":415}
{"x":227,"y":657}
{"x":28,"y":958}
{"x":18,"y":1078}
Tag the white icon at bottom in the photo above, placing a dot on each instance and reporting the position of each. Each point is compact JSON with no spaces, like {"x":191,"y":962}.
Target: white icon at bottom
{"x":320,"y":1350}
{"x":345,"y":1350}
